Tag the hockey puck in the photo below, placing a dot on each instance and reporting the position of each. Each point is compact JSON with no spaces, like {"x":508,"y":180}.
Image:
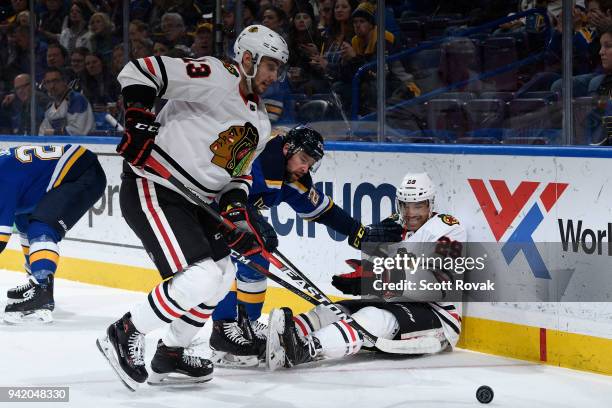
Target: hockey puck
{"x":484,"y":394}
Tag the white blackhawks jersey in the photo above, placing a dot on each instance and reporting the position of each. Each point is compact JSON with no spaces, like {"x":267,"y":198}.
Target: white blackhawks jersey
{"x":439,"y":226}
{"x":210,"y":132}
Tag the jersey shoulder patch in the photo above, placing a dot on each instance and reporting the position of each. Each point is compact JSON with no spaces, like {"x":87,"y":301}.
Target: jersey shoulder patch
{"x":448,"y":219}
{"x":314,"y":196}
{"x":231,"y":68}
{"x":222,"y":73}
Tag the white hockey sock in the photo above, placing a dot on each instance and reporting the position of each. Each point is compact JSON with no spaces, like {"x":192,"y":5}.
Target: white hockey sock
{"x":183,"y":330}
{"x":160,"y":309}
{"x":201,"y":284}
{"x":338,"y":339}
{"x":304,"y":325}
{"x":179,"y":334}
{"x":314,"y":319}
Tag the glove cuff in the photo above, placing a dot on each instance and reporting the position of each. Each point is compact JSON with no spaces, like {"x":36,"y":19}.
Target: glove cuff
{"x":233,"y":197}
{"x":233,"y":206}
{"x":138,"y":112}
{"x":356,"y":236}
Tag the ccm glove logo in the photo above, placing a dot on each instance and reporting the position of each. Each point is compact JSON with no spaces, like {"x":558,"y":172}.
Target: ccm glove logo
{"x":147,"y":127}
{"x":139,"y":136}
{"x":356,"y":237}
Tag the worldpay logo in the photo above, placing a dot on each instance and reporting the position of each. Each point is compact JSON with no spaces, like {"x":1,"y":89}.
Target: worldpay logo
{"x":512,"y":203}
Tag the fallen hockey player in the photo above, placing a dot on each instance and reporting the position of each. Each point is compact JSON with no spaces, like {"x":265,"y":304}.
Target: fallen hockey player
{"x":320,"y":333}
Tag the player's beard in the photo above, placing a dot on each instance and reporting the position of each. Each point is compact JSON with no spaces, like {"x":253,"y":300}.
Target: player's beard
{"x":259,"y":89}
{"x":292,"y":176}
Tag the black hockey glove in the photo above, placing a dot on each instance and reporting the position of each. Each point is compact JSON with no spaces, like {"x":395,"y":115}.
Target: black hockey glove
{"x":139,"y":136}
{"x":266,"y":231}
{"x":244,"y":239}
{"x":386,"y":231}
{"x":357,"y":282}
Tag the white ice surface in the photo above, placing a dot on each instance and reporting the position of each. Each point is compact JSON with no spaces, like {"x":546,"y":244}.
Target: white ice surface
{"x":64,"y":354}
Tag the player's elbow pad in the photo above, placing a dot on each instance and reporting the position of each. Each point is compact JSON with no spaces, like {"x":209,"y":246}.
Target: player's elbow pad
{"x":135,"y":95}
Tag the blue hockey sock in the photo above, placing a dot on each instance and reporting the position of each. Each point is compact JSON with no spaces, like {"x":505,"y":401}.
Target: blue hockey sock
{"x":227,"y":309}
{"x":44,"y":251}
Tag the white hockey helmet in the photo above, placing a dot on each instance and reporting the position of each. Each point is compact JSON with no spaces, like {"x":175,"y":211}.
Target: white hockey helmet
{"x":415,"y":187}
{"x":261,"y":42}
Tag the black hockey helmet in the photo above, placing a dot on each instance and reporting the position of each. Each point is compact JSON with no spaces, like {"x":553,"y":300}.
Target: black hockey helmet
{"x":306,"y":139}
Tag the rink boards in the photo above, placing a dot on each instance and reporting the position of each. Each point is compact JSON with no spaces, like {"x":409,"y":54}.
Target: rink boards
{"x":495,"y":192}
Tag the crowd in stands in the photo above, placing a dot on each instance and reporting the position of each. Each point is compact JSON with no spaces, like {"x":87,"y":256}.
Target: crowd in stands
{"x":445,"y":86}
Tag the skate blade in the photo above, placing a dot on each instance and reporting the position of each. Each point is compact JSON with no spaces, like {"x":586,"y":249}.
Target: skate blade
{"x":226,"y":360}
{"x":108,"y":351}
{"x":37,"y":317}
{"x":161,"y":380}
{"x":10,"y":301}
{"x":275,"y":353}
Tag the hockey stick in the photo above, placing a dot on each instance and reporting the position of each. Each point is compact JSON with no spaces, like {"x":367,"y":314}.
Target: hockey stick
{"x":410,"y":346}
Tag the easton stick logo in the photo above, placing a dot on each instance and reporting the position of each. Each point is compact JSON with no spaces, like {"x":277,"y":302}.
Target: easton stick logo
{"x":512,"y":203}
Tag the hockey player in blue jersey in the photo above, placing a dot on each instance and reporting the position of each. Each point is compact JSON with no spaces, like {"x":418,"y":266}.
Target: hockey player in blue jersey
{"x":280,"y":174}
{"x":45,"y":190}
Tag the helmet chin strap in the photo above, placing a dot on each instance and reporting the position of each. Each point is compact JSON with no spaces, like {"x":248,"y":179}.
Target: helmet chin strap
{"x":249,"y":78}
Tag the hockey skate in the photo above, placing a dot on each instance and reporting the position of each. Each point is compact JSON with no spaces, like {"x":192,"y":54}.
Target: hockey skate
{"x":231,"y":349}
{"x":285,"y":347}
{"x":123,"y":347}
{"x":260,"y":332}
{"x":254,"y":331}
{"x":177,"y":365}
{"x":15,"y":294}
{"x":30,"y":303}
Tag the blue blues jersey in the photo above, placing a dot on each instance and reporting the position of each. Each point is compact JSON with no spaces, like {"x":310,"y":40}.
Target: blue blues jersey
{"x":27,"y":173}
{"x":269,"y":189}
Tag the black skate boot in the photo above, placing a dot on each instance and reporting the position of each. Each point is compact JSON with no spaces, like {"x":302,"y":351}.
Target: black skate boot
{"x":230,"y":346}
{"x":285,"y":346}
{"x":15,"y":294}
{"x":123,"y":347}
{"x":260,"y":330}
{"x":178,"y":360}
{"x":30,"y":303}
{"x":254,"y":331}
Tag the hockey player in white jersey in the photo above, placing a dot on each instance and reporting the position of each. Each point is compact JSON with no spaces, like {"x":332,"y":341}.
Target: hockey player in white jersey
{"x":208,"y":134}
{"x":319,"y":333}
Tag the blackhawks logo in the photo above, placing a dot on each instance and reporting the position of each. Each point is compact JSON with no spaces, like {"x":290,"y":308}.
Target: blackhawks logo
{"x":448,"y":219}
{"x":231,"y":69}
{"x":234,"y":148}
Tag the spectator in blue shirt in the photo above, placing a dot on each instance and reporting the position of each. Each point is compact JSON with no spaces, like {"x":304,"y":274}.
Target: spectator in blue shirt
{"x":70,"y":113}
